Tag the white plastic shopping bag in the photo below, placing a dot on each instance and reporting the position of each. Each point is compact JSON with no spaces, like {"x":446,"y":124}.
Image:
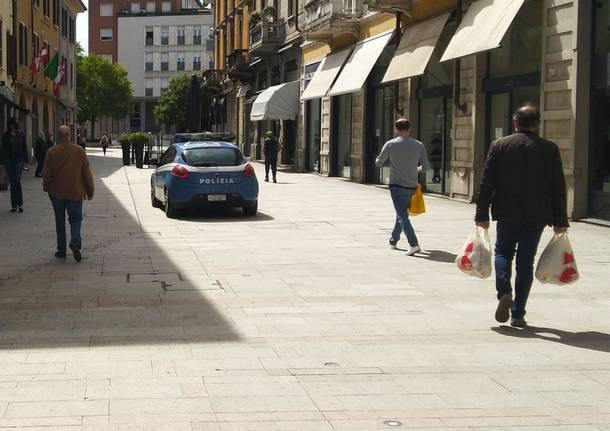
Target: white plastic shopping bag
{"x":475,"y":257}
{"x":557,"y":264}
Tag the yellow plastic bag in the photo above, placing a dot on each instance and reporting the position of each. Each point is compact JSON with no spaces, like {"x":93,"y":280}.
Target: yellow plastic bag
{"x":417,"y":205}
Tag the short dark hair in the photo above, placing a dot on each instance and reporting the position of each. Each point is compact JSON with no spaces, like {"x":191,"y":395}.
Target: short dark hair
{"x":402,"y":124}
{"x":528,"y":116}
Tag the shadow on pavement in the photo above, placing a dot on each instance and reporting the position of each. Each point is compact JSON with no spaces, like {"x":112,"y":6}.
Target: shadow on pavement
{"x":437,"y":256}
{"x":135,"y":286}
{"x":591,"y":340}
{"x":227,"y":215}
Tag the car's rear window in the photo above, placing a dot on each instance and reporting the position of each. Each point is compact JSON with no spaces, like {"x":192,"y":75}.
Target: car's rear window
{"x":213,"y":156}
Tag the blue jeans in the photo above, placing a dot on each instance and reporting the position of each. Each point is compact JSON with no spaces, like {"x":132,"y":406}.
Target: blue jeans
{"x":522,"y":239}
{"x":75,"y":217}
{"x":401,"y":197}
{"x":14,"y":169}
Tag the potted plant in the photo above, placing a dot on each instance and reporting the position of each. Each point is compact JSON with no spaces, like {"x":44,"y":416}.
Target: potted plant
{"x":254,"y":18}
{"x":126,"y":147}
{"x":137,"y":141}
{"x":270,"y":13}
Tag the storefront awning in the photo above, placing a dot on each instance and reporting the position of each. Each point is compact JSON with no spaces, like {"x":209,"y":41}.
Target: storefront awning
{"x":415,"y":49}
{"x":359,"y":65}
{"x":324,"y":77}
{"x":483,"y":27}
{"x":280,"y":102}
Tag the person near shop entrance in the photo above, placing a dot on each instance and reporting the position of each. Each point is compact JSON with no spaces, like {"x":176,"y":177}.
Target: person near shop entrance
{"x":68,"y":180}
{"x":272,"y":147}
{"x":407,"y":157}
{"x":14,"y":156}
{"x":40,"y":151}
{"x":524,"y":185}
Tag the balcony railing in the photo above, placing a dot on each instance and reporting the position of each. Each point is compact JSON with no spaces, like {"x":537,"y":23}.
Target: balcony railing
{"x":196,"y":40}
{"x":403,"y":6}
{"x":214,"y":78}
{"x":325,"y":19}
{"x":238,"y":66}
{"x":267,"y":36}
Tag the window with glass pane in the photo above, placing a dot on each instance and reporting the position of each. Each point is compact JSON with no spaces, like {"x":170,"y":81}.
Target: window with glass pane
{"x":148,"y":90}
{"x":105,"y":34}
{"x":106,"y":9}
{"x":149,"y":62}
{"x":164,"y":35}
{"x":165,"y":62}
{"x":151,"y":7}
{"x":180,"y":64}
{"x":196,"y":62}
{"x":166,"y":7}
{"x":197,"y":35}
{"x":135,"y":7}
{"x":150,"y":40}
{"x":180,"y":36}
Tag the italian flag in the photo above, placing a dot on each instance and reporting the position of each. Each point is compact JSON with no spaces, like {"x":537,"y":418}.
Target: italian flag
{"x":56,"y":72}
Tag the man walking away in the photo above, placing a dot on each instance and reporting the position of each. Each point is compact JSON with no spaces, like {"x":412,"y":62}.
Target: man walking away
{"x":272,"y":147}
{"x":523,"y":182}
{"x":14,"y":154}
{"x":68,"y":180}
{"x":40,"y":151}
{"x":406,"y":156}
{"x":104,"y":143}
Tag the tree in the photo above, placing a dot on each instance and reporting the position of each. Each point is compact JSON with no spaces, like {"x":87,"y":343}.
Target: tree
{"x":170,"y":109}
{"x":102,"y":89}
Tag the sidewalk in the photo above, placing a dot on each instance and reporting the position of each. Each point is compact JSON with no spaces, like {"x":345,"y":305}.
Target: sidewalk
{"x":299,"y":319}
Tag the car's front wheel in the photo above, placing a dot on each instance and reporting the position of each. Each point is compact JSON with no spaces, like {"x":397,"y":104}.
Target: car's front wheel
{"x":170,"y":210}
{"x":251,"y":210}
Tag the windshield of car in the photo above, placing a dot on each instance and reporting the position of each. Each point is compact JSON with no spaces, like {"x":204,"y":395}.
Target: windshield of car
{"x":213,"y":156}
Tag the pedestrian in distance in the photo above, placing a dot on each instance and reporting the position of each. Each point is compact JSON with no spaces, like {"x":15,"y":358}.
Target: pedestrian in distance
{"x":104,"y":143}
{"x":272,"y":147}
{"x":68,"y":180}
{"x":14,"y":154}
{"x":80,"y":140}
{"x":407,"y":157}
{"x":50,"y":140}
{"x":40,"y":151}
{"x":524,"y":184}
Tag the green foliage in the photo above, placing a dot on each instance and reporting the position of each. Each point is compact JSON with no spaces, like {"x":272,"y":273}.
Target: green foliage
{"x":269,"y":12}
{"x":254,"y":18}
{"x":170,"y":109}
{"x":138,"y":138}
{"x":123,"y":139}
{"x":102,"y":89}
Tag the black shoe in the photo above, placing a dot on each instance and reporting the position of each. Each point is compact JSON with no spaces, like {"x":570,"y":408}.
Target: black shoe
{"x":76,"y":251}
{"x":275,"y":180}
{"x":13,"y":210}
{"x":503,"y":310}
{"x":266,"y":180}
{"x":60,"y":254}
{"x":20,"y":209}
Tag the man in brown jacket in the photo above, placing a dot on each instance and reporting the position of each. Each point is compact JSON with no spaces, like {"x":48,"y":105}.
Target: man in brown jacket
{"x":68,"y":180}
{"x":523,"y":182}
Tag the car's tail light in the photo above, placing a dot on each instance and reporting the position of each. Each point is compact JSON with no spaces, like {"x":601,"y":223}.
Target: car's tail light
{"x":249,"y":170}
{"x":180,"y":172}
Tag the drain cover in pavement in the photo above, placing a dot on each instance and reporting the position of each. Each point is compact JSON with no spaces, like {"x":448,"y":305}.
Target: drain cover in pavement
{"x":392,"y":423}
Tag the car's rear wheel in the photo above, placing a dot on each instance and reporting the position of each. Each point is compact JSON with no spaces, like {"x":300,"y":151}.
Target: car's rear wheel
{"x":170,"y":210}
{"x":153,"y":199}
{"x":251,"y":210}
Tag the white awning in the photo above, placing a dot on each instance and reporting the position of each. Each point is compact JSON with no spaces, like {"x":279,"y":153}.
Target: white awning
{"x":280,"y":102}
{"x":483,"y":27}
{"x":415,"y":49}
{"x":324,"y":77}
{"x":360,"y":63}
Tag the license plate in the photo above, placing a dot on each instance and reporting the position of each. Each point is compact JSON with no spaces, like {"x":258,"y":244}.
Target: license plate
{"x":217,"y":198}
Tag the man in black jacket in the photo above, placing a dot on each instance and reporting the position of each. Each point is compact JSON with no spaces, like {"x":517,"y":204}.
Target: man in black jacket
{"x":523,"y":182}
{"x":272,"y":147}
{"x":14,"y":156}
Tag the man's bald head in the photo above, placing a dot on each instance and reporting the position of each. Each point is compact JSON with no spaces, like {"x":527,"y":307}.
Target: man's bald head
{"x":63,"y":134}
{"x":527,"y":117}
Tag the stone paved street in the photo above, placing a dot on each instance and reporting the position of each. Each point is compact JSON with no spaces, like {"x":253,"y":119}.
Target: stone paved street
{"x":299,"y":319}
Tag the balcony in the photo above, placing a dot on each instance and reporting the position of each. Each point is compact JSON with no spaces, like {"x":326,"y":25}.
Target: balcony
{"x":327,"y":19}
{"x":267,"y":36}
{"x":213,"y":79}
{"x":391,"y":6}
{"x":238,"y":67}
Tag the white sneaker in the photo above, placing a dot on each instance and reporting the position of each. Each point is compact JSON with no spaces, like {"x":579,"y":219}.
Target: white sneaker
{"x":413,"y":250}
{"x":393,"y":246}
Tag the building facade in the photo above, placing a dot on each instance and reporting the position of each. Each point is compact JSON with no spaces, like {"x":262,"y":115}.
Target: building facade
{"x":7,"y":64}
{"x":154,"y":41}
{"x":40,"y":22}
{"x":457,"y":70}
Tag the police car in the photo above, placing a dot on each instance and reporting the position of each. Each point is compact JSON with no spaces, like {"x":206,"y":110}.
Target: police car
{"x":203,"y":174}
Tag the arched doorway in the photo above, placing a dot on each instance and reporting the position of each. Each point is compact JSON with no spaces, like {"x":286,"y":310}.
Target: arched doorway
{"x":45,"y":119}
{"x":35,"y":125}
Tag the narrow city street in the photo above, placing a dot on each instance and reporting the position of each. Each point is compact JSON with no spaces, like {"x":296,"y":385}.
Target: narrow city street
{"x":301,"y":318}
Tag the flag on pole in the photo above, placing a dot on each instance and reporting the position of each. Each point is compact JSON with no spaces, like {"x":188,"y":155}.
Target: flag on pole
{"x":52,"y":68}
{"x":43,"y":56}
{"x":35,"y":66}
{"x":60,"y":79}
